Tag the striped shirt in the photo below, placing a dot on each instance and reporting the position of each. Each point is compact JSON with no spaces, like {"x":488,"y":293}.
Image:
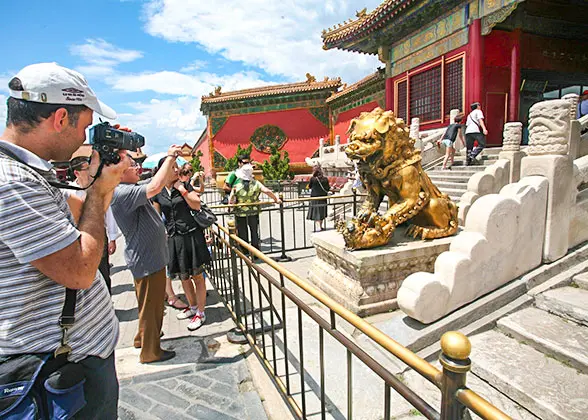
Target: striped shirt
{"x":35,"y":221}
{"x":146,"y":241}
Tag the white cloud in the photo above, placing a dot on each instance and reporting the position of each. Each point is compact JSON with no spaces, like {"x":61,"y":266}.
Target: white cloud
{"x":102,"y":57}
{"x":165,"y":122}
{"x":4,"y":79}
{"x":193,"y":66}
{"x":174,"y":83}
{"x":178,"y":120}
{"x":3,"y":111}
{"x":281,"y":40}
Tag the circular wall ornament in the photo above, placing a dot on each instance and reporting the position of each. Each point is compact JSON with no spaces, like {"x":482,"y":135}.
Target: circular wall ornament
{"x":266,"y":136}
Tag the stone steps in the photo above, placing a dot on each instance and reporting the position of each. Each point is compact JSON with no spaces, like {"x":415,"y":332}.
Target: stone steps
{"x":549,"y":334}
{"x":541,"y":384}
{"x":567,"y":302}
{"x":453,"y":192}
{"x":443,"y":185}
{"x":454,"y":173}
{"x":581,"y":280}
{"x":457,"y":179}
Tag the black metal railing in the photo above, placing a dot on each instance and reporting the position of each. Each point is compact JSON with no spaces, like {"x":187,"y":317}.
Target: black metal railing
{"x":284,"y":228}
{"x":264,"y":300}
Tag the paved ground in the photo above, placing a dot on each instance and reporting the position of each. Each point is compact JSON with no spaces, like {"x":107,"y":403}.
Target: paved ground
{"x":208,"y":379}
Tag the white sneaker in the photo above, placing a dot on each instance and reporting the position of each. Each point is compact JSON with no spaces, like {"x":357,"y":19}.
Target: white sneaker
{"x":196,"y":322}
{"x":186,"y":313}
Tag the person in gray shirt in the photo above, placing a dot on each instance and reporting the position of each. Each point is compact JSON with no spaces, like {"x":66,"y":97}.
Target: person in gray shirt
{"x":146,"y":251}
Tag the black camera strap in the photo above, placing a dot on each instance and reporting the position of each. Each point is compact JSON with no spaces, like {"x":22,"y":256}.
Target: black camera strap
{"x":59,"y":185}
{"x":67,"y":318}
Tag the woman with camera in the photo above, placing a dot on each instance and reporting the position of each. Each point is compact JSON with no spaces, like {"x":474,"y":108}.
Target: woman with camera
{"x":188,"y":252}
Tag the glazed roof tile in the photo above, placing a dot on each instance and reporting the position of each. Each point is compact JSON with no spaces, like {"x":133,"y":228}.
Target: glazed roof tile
{"x":378,"y":75}
{"x":307,"y":86}
{"x":364,"y":24}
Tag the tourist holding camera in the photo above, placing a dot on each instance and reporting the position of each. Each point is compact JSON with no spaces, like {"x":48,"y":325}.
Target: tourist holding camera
{"x":146,"y":250}
{"x":42,"y":251}
{"x":188,"y":252}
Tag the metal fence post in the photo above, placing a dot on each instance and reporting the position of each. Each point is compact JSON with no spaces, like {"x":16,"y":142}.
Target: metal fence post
{"x":455,"y":351}
{"x":234,"y":271}
{"x":354,"y":190}
{"x":283,"y":257}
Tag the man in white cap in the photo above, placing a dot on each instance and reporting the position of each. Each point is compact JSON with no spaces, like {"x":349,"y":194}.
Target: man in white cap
{"x":42,"y":251}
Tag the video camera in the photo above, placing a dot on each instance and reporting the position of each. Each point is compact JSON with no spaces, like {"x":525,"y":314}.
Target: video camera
{"x":107,"y":141}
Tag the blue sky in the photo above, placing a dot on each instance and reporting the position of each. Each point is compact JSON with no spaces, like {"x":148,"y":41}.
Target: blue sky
{"x":152,"y":60}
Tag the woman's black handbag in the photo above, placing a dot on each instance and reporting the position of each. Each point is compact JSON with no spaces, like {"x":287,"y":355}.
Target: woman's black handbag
{"x":204,"y":217}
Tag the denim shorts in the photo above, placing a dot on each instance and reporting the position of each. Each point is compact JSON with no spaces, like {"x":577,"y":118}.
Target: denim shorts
{"x":447,"y":143}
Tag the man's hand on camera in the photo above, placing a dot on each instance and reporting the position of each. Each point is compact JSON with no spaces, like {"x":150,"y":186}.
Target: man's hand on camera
{"x":174,"y":150}
{"x":111,"y":174}
{"x":118,"y":127}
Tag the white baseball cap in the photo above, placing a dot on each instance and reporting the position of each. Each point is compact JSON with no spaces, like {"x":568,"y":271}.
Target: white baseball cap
{"x":52,"y":84}
{"x":245,"y":172}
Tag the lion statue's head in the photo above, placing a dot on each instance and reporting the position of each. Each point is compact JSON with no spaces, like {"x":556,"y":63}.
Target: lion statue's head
{"x":379,"y":134}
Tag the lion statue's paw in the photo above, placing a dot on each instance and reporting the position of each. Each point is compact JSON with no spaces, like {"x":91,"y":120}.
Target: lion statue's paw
{"x":357,"y":235}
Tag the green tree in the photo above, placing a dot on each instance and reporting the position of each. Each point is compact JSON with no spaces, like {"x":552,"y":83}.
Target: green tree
{"x":232,"y":164}
{"x":277,"y":167}
{"x":196,"y":163}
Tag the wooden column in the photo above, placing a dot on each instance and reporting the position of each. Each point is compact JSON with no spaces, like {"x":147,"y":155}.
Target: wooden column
{"x":515,"y":76}
{"x":475,"y":78}
{"x":389,"y":94}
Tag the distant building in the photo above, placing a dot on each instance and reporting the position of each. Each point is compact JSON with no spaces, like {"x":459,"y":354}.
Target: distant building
{"x":292,"y":117}
{"x":446,"y":54}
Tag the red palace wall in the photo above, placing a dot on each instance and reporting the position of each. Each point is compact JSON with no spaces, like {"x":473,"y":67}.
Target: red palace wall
{"x":497,"y":71}
{"x":343,"y":119}
{"x":302,"y":130}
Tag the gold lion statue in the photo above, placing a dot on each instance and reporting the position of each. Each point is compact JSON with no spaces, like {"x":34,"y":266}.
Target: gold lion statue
{"x":389,"y":166}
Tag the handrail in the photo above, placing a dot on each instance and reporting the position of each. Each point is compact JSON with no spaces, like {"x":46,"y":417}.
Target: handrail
{"x":479,"y":405}
{"x":286,"y":200}
{"x":428,"y":371}
{"x":464,"y":395}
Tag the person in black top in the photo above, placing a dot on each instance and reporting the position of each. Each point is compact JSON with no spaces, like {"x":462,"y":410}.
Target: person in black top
{"x":453,"y":130}
{"x":319,"y":187}
{"x":188,"y":252}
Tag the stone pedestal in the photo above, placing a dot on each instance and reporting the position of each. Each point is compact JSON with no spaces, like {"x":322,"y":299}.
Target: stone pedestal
{"x":366,"y":281}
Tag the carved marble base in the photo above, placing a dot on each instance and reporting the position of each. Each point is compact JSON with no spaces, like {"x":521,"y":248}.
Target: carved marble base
{"x":366,"y":281}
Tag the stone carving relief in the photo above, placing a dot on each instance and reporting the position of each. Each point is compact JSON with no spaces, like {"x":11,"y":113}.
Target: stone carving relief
{"x":512,"y":135}
{"x":549,"y":127}
{"x":378,"y":279}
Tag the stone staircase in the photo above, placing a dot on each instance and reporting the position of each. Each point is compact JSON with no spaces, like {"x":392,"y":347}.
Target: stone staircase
{"x":454,"y":182}
{"x":538,"y":355}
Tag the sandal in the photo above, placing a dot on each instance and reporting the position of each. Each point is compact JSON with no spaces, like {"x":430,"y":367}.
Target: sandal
{"x":177,"y":303}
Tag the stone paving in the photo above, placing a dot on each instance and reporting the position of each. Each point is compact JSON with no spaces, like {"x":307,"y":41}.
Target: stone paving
{"x":209,"y":377}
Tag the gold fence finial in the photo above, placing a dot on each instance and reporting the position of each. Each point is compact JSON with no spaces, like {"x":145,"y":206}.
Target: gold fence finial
{"x":456,"y":345}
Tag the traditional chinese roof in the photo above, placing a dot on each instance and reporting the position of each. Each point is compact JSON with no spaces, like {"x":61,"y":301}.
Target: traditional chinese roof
{"x":388,"y":23}
{"x":309,"y":86}
{"x":379,"y":77}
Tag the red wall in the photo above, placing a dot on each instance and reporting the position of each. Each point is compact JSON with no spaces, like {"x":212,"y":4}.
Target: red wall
{"x":343,"y":119}
{"x":497,"y":58}
{"x":302,"y":129}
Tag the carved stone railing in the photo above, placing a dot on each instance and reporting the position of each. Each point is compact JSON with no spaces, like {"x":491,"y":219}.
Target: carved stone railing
{"x":544,"y":214}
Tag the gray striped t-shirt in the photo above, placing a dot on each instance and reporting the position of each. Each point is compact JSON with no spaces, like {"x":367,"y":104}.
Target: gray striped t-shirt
{"x":146,"y":241}
{"x":35,"y":221}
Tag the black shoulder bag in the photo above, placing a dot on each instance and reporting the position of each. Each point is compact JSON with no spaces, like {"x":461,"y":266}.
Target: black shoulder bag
{"x":204,"y":217}
{"x":43,"y":386}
